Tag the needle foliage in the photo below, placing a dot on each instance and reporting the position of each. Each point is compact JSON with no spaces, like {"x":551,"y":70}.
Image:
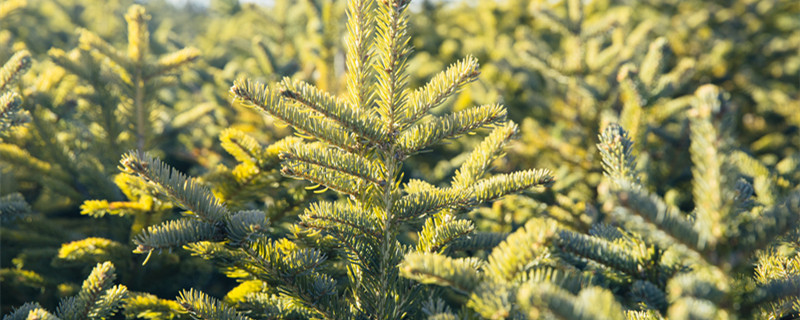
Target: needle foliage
{"x":352,"y":159}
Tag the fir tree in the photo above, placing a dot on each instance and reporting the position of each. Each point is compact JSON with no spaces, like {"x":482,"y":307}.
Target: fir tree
{"x":98,"y":298}
{"x":356,"y":148}
{"x":11,"y":114}
{"x":114,"y":105}
{"x":734,"y":225}
{"x":62,"y":150}
{"x":137,"y":74}
{"x":695,"y":217}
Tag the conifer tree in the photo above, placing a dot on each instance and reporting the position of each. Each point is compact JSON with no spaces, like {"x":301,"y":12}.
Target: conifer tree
{"x":11,"y":114}
{"x":731,"y":258}
{"x":62,"y":156}
{"x":98,"y":299}
{"x":355,"y":146}
{"x":114,"y":106}
{"x":689,"y":212}
{"x":12,"y":205}
{"x":603,"y":66}
{"x":569,"y":68}
{"x":137,"y":74}
{"x":735,"y":231}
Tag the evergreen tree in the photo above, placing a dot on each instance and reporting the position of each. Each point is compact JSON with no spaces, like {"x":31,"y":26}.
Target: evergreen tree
{"x":98,"y":298}
{"x":57,"y":159}
{"x":688,"y":211}
{"x":733,"y":257}
{"x":11,"y":114}
{"x":356,"y":148}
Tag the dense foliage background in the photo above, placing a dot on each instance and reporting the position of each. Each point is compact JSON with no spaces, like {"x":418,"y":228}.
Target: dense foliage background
{"x":563,"y":73}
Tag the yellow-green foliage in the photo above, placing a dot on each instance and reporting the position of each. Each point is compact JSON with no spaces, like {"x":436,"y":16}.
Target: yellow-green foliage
{"x":91,"y":106}
{"x":357,"y":149}
{"x":12,"y":115}
{"x":383,"y":173}
{"x":98,"y":298}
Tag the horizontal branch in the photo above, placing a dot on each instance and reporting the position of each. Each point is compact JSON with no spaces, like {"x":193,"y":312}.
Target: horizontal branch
{"x":497,"y":186}
{"x":336,"y":160}
{"x":175,"y":234}
{"x":483,"y":155}
{"x":355,"y":119}
{"x":184,"y":190}
{"x":269,"y":101}
{"x":450,"y":126}
{"x":440,"y":87}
